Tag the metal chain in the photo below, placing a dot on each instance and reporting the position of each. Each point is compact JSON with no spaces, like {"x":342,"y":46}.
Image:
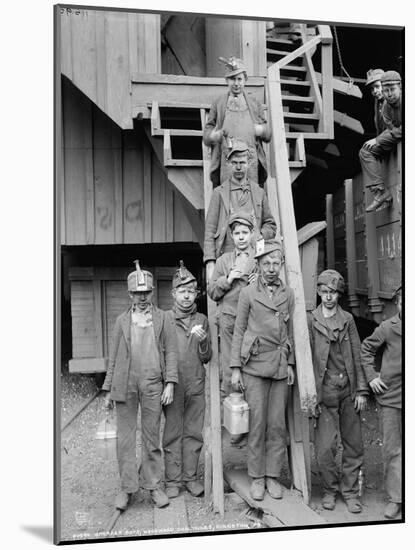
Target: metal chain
{"x":342,"y":67}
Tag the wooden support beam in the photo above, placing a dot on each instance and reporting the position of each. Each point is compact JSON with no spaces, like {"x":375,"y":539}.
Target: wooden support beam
{"x":351,"y":248}
{"x":298,"y":52}
{"x":327,"y":86}
{"x":346,"y":88}
{"x":330,"y":233}
{"x":374,"y":303}
{"x":348,"y":122}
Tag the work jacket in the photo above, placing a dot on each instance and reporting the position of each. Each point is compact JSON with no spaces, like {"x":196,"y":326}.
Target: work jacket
{"x":119,"y":362}
{"x":215,"y":120}
{"x":392,"y":118}
{"x":349,"y":346}
{"x":216,"y":225}
{"x":388,"y":335}
{"x":263,"y":343}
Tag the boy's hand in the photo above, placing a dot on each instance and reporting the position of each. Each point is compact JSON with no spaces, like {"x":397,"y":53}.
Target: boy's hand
{"x":259,"y":130}
{"x":236,"y":380}
{"x":252,"y":278}
{"x":291,"y":375}
{"x":370,"y":143}
{"x":167,"y":395}
{"x":210,"y":266}
{"x":216,"y":135}
{"x":200,"y":333}
{"x":377,"y":385}
{"x":360,"y":403}
{"x":108,"y":402}
{"x":234,"y":274}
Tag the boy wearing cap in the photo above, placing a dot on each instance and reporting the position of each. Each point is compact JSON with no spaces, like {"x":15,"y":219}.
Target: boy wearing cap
{"x":235,"y":195}
{"x":375,"y":87}
{"x":182,"y":438}
{"x":236,"y":115}
{"x":262,"y":363}
{"x":374,"y":150}
{"x":233,"y":271}
{"x":142,"y":370}
{"x":387,"y":385}
{"x":341,"y":392}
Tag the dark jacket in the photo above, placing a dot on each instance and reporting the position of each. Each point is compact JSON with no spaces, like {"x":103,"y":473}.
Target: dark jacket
{"x":379,"y":122}
{"x":389,"y":335}
{"x":216,"y":118}
{"x":225,"y":294}
{"x":349,"y":346}
{"x":263,"y":343}
{"x":120,"y":353}
{"x":392,"y":118}
{"x":216,"y":224}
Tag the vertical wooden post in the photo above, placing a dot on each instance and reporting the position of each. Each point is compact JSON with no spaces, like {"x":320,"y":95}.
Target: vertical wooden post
{"x":327,"y":79}
{"x":374,"y":303}
{"x":330,"y":232}
{"x":351,"y":248}
{"x":213,"y":451}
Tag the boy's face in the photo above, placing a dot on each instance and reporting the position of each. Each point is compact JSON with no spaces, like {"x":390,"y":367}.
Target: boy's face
{"x":392,"y":92}
{"x":270,"y":266}
{"x":239,"y":165}
{"x":399,"y":304}
{"x":236,"y":83}
{"x":185,"y":295}
{"x":329,"y":297}
{"x":141,"y":299}
{"x":376,"y":90}
{"x":241,"y":235}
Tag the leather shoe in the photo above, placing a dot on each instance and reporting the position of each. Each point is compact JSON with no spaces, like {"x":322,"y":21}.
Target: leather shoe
{"x":195,"y":488}
{"x":172,"y":491}
{"x":160,"y":498}
{"x":257,"y":489}
{"x":238,"y":440}
{"x":329,"y":501}
{"x":122,"y":500}
{"x":274,"y":488}
{"x":353,"y":505}
{"x":378,"y":200}
{"x":392,"y":510}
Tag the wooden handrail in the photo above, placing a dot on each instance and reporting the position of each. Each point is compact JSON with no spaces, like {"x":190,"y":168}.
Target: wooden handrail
{"x":307,"y":46}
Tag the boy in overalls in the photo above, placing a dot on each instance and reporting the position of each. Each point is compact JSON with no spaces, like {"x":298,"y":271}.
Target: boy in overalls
{"x":182,"y":438}
{"x":387,"y":385}
{"x":142,"y":370}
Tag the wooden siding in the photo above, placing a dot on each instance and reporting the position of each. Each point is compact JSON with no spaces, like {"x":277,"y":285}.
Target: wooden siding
{"x":115,"y":191}
{"x":101,"y":49}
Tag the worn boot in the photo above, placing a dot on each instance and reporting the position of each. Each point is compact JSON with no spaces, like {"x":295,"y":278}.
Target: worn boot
{"x":172,"y":491}
{"x":195,"y":488}
{"x":160,"y":498}
{"x":392,"y":510}
{"x":257,"y":489}
{"x":380,"y":196}
{"x":122,"y":500}
{"x":354,"y":505}
{"x":329,"y":501}
{"x":274,"y":488}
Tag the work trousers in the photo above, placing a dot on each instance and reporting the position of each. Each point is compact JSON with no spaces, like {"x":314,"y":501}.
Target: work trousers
{"x":148,"y":396}
{"x":226,"y":328}
{"x":392,"y":452}
{"x":267,"y":437}
{"x":344,"y":418}
{"x":182,"y":438}
{"x":370,"y":160}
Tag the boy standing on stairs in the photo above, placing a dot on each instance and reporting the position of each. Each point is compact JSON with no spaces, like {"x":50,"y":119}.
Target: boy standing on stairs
{"x":182,"y":438}
{"x":387,"y":385}
{"x":341,"y":393}
{"x":235,"y":194}
{"x":374,"y":150}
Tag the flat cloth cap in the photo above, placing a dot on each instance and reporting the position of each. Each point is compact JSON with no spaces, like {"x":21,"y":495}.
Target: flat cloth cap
{"x":238,"y":146}
{"x":139,"y":280}
{"x":244,"y":218}
{"x":182,"y":276}
{"x":373,"y":75}
{"x":233,"y":66}
{"x":390,"y":77}
{"x":266,"y":247}
{"x":332,"y":279}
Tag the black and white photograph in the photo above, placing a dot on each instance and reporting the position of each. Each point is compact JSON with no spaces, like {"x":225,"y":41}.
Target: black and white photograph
{"x":229,"y":299}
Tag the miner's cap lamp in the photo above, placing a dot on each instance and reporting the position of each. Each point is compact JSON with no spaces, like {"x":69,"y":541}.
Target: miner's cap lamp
{"x":139,"y":280}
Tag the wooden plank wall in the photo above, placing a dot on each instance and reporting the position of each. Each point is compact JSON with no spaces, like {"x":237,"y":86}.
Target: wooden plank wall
{"x":184,"y":37}
{"x":115,"y":190}
{"x":102,"y":49}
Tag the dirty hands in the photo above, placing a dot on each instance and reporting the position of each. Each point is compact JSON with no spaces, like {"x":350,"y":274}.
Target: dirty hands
{"x":108,"y":402}
{"x":252,"y":278}
{"x":360,"y":403}
{"x":291,"y":375}
{"x":377,"y":385}
{"x":200,"y":333}
{"x":236,"y":380}
{"x":216,"y":134}
{"x":234,"y":274}
{"x":369,"y":144}
{"x":167,"y":395}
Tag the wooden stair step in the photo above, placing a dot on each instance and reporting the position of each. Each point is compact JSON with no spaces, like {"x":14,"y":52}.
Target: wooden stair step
{"x":284,"y":42}
{"x":297,"y":99}
{"x":293,"y":68}
{"x":306,"y":135}
{"x":183,"y":162}
{"x":303,"y":117}
{"x":297,"y":163}
{"x":281,"y":53}
{"x":289,"y":83}
{"x":178,"y":132}
{"x":180,"y":105}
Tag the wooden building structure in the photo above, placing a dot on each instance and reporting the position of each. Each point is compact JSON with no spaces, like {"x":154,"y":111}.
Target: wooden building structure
{"x":133,"y":175}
